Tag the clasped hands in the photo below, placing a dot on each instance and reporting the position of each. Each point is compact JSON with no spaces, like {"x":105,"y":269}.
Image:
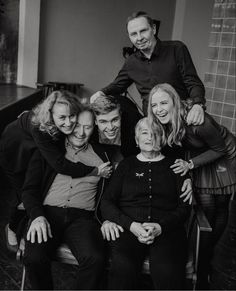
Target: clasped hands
{"x":146,"y":232}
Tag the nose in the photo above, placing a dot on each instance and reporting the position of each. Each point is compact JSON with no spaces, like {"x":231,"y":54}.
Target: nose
{"x":110,"y":125}
{"x":81,"y":131}
{"x":139,"y":36}
{"x":67,"y":121}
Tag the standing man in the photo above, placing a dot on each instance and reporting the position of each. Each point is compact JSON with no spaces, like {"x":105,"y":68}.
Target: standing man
{"x":62,"y":209}
{"x":154,"y":62}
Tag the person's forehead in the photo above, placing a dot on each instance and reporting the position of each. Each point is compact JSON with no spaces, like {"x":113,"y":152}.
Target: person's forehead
{"x":85,"y":118}
{"x":59,"y":108}
{"x":137,"y":22}
{"x":160,"y":95}
{"x":109,"y":116}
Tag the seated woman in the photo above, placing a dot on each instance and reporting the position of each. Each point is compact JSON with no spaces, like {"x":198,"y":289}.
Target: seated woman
{"x":143,"y":203}
{"x":212,"y":155}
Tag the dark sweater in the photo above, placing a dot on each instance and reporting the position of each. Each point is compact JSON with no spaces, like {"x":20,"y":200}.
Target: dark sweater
{"x":170,"y":63}
{"x":145,"y":191}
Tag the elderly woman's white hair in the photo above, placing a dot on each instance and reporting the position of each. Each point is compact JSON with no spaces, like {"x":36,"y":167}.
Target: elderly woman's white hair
{"x":157,"y":140}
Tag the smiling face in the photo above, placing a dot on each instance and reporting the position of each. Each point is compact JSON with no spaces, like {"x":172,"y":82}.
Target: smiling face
{"x":109,"y":124}
{"x":63,"y":119}
{"x":144,"y":138}
{"x":83,"y":129}
{"x":141,"y":34}
{"x":162,"y":106}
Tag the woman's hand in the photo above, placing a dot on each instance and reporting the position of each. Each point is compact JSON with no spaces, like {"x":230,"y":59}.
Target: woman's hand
{"x":187,"y":191}
{"x":180,"y":167}
{"x":138,"y":230}
{"x":110,"y":230}
{"x":153,"y":230}
{"x":39,"y":230}
{"x":105,"y":170}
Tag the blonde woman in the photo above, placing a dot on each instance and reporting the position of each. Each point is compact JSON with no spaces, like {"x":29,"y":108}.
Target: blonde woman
{"x":212,"y":160}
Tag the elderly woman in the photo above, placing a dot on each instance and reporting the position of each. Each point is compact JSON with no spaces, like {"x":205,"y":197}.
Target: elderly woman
{"x":45,"y":128}
{"x":143,"y":203}
{"x":212,"y":159}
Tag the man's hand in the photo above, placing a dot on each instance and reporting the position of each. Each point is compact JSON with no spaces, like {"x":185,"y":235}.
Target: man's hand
{"x":187,"y":191}
{"x":195,"y":115}
{"x":105,"y":170}
{"x":95,"y":96}
{"x":110,"y":230}
{"x":39,"y":230}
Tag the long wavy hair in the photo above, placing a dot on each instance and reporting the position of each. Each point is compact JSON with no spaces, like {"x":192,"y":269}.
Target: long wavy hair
{"x":42,"y":113}
{"x":174,"y":131}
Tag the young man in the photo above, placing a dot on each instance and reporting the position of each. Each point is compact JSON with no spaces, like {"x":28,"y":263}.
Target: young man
{"x":62,"y":209}
{"x":116,"y":120}
{"x":157,"y":62}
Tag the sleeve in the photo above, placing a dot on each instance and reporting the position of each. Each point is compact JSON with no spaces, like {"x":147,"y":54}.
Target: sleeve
{"x":193,"y":84}
{"x":177,"y":217}
{"x":110,"y":200}
{"x":120,"y":84}
{"x":55,"y":156}
{"x":31,"y":191}
{"x":210,"y":135}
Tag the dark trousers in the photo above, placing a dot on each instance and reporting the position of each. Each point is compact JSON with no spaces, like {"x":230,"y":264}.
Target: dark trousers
{"x":79,"y":230}
{"x":167,"y":257}
{"x":216,"y":209}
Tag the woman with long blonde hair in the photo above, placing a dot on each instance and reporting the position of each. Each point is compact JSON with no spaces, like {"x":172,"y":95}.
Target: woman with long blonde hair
{"x":211,"y":154}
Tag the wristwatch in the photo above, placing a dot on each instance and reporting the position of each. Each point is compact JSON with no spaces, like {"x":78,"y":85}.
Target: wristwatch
{"x":190,"y":164}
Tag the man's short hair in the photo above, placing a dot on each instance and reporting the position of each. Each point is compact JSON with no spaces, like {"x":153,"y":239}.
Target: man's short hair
{"x":105,"y":104}
{"x":140,"y":14}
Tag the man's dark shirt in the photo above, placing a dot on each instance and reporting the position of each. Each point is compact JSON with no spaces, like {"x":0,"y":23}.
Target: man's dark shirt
{"x":170,"y":63}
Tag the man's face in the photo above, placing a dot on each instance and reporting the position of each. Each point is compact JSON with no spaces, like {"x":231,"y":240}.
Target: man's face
{"x":141,"y":34}
{"x":83,"y":129}
{"x":109,"y":124}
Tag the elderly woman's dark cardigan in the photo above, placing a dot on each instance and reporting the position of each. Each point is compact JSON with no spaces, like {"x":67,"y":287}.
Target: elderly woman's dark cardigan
{"x":145,"y":191}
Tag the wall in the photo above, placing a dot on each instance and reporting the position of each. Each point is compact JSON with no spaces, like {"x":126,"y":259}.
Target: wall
{"x":196,"y":28}
{"x":82,"y":40}
{"x":9,"y":11}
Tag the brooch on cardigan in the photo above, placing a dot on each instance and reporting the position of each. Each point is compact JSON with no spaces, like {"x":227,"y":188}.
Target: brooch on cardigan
{"x":139,"y":175}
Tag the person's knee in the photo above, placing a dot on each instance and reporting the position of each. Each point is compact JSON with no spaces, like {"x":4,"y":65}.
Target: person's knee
{"x":35,"y":256}
{"x":123,"y":264}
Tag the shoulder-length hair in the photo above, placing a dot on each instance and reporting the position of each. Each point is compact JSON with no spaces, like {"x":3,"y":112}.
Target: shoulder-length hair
{"x":42,"y":113}
{"x":157,"y":141}
{"x":174,"y":131}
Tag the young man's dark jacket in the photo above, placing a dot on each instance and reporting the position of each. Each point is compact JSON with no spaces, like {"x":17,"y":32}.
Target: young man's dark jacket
{"x":40,"y":177}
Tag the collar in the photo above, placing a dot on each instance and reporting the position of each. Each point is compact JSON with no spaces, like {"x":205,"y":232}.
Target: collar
{"x":155,"y":52}
{"x":74,"y":148}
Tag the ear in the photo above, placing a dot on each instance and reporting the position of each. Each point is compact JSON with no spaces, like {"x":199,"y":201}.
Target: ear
{"x":95,"y":122}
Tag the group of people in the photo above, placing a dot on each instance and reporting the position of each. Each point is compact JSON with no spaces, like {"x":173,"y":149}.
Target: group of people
{"x":88,"y":174}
